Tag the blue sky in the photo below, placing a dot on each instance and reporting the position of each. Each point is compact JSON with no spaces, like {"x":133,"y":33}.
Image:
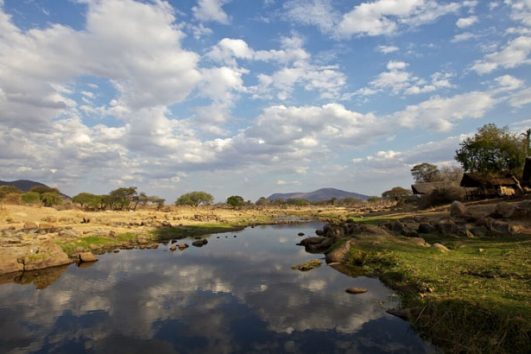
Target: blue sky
{"x":253,"y":97}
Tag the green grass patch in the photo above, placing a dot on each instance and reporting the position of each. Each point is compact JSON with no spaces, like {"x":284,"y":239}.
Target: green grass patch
{"x":96,"y":242}
{"x":476,"y":298}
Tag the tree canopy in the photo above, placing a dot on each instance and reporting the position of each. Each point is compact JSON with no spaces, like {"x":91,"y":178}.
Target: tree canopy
{"x":235,"y":201}
{"x":492,"y":150}
{"x":425,"y":172}
{"x":195,"y":199}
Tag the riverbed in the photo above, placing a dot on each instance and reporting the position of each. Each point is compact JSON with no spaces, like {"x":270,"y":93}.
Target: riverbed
{"x":236,"y":294}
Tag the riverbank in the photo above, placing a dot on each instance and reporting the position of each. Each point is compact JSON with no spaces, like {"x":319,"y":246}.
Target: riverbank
{"x":464,"y":280}
{"x":33,"y":238}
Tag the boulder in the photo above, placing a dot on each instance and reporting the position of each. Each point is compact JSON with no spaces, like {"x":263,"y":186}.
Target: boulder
{"x":306,"y":266}
{"x":458,"y":210}
{"x":45,"y":255}
{"x":440,"y":247}
{"x":500,"y":228}
{"x":300,"y":234}
{"x":199,"y":243}
{"x":356,"y":291}
{"x":311,"y":241}
{"x":425,"y":228}
{"x":173,"y":247}
{"x":182,"y":246}
{"x":447,"y":227}
{"x":503,"y":210}
{"x":87,"y":257}
{"x":419,"y":241}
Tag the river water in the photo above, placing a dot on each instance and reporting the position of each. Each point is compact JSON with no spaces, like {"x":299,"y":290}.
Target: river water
{"x":234,"y":295}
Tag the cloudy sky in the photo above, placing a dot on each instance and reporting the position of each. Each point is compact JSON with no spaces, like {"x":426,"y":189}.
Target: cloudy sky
{"x":252,"y":97}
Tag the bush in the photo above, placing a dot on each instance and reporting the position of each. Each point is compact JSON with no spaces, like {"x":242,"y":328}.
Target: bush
{"x":444,"y":195}
{"x":235,"y":201}
{"x":31,"y":198}
{"x":195,"y":199}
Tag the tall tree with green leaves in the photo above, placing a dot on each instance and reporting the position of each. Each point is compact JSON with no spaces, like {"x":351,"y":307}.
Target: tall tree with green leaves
{"x":425,"y":172}
{"x":492,"y":150}
{"x":195,"y":199}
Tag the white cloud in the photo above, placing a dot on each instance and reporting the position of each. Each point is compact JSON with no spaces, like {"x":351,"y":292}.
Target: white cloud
{"x":211,"y":10}
{"x":462,"y":37}
{"x":465,"y":22}
{"x":387,"y":49}
{"x":319,"y":13}
{"x":384,"y":17}
{"x":508,"y":83}
{"x":521,"y":98}
{"x":400,"y":81}
{"x":441,"y":113}
{"x":514,"y":54}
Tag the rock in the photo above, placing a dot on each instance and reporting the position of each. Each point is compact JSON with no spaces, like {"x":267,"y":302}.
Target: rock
{"x":426,"y":228}
{"x":45,"y":255}
{"x":112,"y":234}
{"x":500,"y":228}
{"x":46,"y":227}
{"x":400,"y":313}
{"x":447,"y":227}
{"x":182,"y":246}
{"x":503,"y":210}
{"x":320,"y":247}
{"x":306,"y":266}
{"x":199,"y":243}
{"x":319,"y":232}
{"x":458,"y":210}
{"x":173,"y":247}
{"x":116,"y":251}
{"x":419,"y":241}
{"x":311,"y":241}
{"x":300,"y":234}
{"x":356,"y":291}
{"x":396,"y":227}
{"x":28,"y":226}
{"x":11,"y":260}
{"x":440,"y":247}
{"x":87,"y":257}
{"x":68,"y":233}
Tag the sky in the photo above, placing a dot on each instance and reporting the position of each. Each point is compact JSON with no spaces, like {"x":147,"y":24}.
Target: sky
{"x":252,"y":97}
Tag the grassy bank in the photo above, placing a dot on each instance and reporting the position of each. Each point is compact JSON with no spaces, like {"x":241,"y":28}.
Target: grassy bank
{"x":475,"y":298}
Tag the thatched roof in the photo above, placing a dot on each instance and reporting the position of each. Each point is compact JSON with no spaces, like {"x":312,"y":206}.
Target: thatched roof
{"x":478,"y":180}
{"x":527,"y":172}
{"x":428,"y":187}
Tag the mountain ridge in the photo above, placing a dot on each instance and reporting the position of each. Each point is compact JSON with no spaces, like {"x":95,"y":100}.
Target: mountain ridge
{"x":25,"y":185}
{"x":318,"y":195}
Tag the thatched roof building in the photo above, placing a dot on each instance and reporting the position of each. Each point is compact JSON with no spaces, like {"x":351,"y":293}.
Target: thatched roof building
{"x":426,"y":188}
{"x":478,"y":185}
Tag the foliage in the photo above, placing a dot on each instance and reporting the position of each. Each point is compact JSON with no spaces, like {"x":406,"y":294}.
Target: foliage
{"x":425,"y":172}
{"x":49,"y":199}
{"x":451,"y":174}
{"x":195,"y":199}
{"x":44,"y":189}
{"x":89,"y":201}
{"x":396,"y":193}
{"x":297,"y":202}
{"x":235,"y":201}
{"x":31,"y":198}
{"x":122,"y":198}
{"x":373,"y":199}
{"x":7,"y":191}
{"x":492,"y":150}
{"x":262,"y":201}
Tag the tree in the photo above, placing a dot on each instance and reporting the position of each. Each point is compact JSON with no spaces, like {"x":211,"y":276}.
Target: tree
{"x":49,"y":199}
{"x":262,"y":201}
{"x":235,"y":201}
{"x":451,"y":174}
{"x":6,"y":190}
{"x":425,"y":172}
{"x":89,"y":201}
{"x":492,"y":150}
{"x":195,"y":199}
{"x":122,"y":198}
{"x":31,"y":198}
{"x":396,"y":193}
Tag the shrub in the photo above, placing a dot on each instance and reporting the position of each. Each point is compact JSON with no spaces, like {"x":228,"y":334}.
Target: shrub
{"x":235,"y":201}
{"x":195,"y":199}
{"x":31,"y":198}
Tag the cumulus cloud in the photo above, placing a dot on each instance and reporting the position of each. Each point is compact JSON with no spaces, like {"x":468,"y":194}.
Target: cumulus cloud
{"x":400,"y":81}
{"x":441,"y":113}
{"x":465,"y":22}
{"x":211,"y":10}
{"x":387,"y":49}
{"x":514,"y":54}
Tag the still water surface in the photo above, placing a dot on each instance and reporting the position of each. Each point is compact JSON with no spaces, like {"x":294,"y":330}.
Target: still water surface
{"x":234,"y":295}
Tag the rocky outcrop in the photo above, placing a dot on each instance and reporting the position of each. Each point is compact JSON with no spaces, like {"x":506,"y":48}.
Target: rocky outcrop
{"x":338,"y":253}
{"x":45,"y":255}
{"x":199,"y":243}
{"x":458,"y":210}
{"x":87,"y":257}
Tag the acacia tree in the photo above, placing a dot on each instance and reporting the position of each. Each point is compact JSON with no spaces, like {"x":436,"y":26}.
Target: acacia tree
{"x":492,"y":150}
{"x":235,"y":201}
{"x":195,"y":199}
{"x":425,"y":172}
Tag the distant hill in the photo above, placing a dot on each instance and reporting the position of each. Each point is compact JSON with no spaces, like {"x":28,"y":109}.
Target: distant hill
{"x":25,"y":185}
{"x":319,"y":195}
